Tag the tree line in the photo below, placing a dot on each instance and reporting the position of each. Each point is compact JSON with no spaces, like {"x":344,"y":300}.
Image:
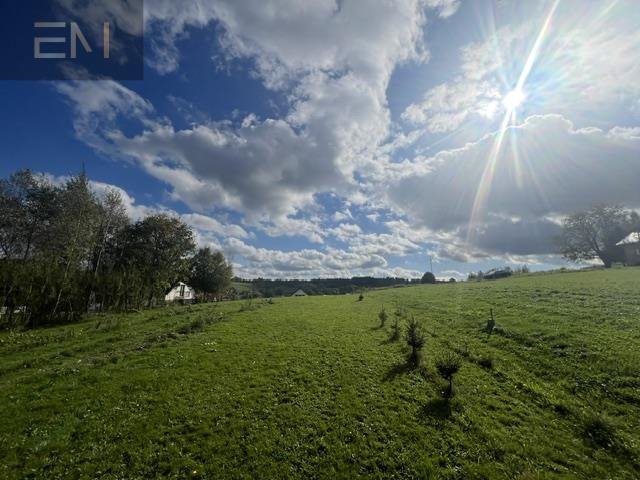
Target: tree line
{"x":65,"y":251}
{"x":318,"y":286}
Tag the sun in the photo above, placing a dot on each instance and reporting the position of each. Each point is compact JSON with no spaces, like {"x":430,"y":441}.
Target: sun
{"x":514,"y":99}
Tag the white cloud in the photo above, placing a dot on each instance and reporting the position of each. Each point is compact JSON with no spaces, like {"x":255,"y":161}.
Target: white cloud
{"x":586,"y":67}
{"x":306,"y":264}
{"x":445,"y":8}
{"x":447,"y":106}
{"x":208,"y":230}
{"x":447,"y":274}
{"x":546,"y":169}
{"x":209,"y":224}
{"x":335,"y":63}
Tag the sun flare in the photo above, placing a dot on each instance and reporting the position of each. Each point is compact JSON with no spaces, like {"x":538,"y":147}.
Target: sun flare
{"x":514,"y":99}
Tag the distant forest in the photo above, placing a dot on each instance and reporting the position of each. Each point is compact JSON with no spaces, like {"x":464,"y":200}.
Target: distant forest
{"x":328,"y":286}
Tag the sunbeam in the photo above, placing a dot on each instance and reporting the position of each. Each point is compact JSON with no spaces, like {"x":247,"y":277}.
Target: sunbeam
{"x":511,"y":101}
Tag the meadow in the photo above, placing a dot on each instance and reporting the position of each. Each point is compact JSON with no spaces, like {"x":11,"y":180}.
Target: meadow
{"x":315,"y":387}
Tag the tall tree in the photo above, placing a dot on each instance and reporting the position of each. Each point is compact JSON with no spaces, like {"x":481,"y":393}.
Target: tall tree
{"x":73,"y":241}
{"x":113,"y":220}
{"x":28,"y":203}
{"x":159,"y":247}
{"x":210,"y":272}
{"x":594,"y":233}
{"x":28,"y":206}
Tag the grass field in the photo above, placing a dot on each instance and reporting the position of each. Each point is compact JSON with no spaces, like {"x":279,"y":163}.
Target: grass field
{"x":313,"y":388}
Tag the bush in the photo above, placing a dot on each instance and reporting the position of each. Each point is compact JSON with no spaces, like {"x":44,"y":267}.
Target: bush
{"x":195,"y":326}
{"x":486,"y":362}
{"x":401,"y":311}
{"x":395,"y":330}
{"x":429,"y":278}
{"x":247,"y":305}
{"x":447,"y":367}
{"x":361,"y":297}
{"x":415,"y":339}
{"x":491,"y":324}
{"x":599,"y":432}
{"x":383,"y":317}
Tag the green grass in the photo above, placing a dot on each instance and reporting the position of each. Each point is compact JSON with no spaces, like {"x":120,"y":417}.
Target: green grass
{"x":313,"y":388}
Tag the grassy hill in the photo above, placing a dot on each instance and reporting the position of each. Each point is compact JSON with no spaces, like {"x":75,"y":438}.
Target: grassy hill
{"x":313,"y":388}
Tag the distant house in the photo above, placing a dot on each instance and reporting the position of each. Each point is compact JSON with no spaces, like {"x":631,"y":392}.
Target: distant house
{"x":19,"y":310}
{"x":299,"y":293}
{"x":631,"y":247}
{"x":180,"y":293}
{"x":498,"y":273}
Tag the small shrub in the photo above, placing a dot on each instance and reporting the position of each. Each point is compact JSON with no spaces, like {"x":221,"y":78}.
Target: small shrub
{"x":195,"y":326}
{"x":415,"y":339}
{"x":382,"y":316}
{"x":400,"y":312}
{"x":486,"y":362}
{"x":395,"y":330}
{"x":491,"y":324}
{"x":561,"y":409}
{"x":108,"y":324}
{"x":184,"y":330}
{"x":360,"y":297}
{"x":247,"y":305}
{"x":447,"y":367}
{"x":599,"y":432}
{"x":498,"y":330}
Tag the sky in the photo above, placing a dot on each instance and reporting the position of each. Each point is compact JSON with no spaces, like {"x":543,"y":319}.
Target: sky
{"x":335,"y":138}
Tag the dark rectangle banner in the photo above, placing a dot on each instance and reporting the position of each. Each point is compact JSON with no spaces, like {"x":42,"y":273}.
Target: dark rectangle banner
{"x":72,"y":40}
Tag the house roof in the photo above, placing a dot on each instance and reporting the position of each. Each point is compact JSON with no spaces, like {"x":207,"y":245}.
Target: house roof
{"x":178,"y":285}
{"x":630,"y":239}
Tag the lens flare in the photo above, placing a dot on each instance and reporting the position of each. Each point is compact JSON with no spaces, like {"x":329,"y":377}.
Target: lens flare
{"x":511,"y":101}
{"x":514,"y":99}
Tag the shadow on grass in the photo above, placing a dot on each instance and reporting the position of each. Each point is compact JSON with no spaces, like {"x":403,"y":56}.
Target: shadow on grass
{"x":400,"y":369}
{"x":438,"y":408}
{"x":390,"y":340}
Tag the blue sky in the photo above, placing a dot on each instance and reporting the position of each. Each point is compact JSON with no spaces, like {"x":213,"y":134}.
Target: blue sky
{"x":325,"y":138}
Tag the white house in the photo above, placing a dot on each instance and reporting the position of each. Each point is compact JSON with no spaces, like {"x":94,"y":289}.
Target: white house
{"x":631,"y":246}
{"x":299,"y":293}
{"x":181,"y":293}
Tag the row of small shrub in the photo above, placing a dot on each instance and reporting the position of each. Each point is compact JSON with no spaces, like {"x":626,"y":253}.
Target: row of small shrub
{"x":447,"y":365}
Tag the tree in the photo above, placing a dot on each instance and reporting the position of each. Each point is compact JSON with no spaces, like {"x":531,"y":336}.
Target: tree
{"x":447,"y":367}
{"x":28,"y":204}
{"x":594,"y":233}
{"x":74,"y":238}
{"x":210,"y":273}
{"x":158,"y":248}
{"x":63,"y":249}
{"x":47,"y":234}
{"x":415,"y":339}
{"x":382,"y":316}
{"x":429,"y":278}
{"x":113,"y":221}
